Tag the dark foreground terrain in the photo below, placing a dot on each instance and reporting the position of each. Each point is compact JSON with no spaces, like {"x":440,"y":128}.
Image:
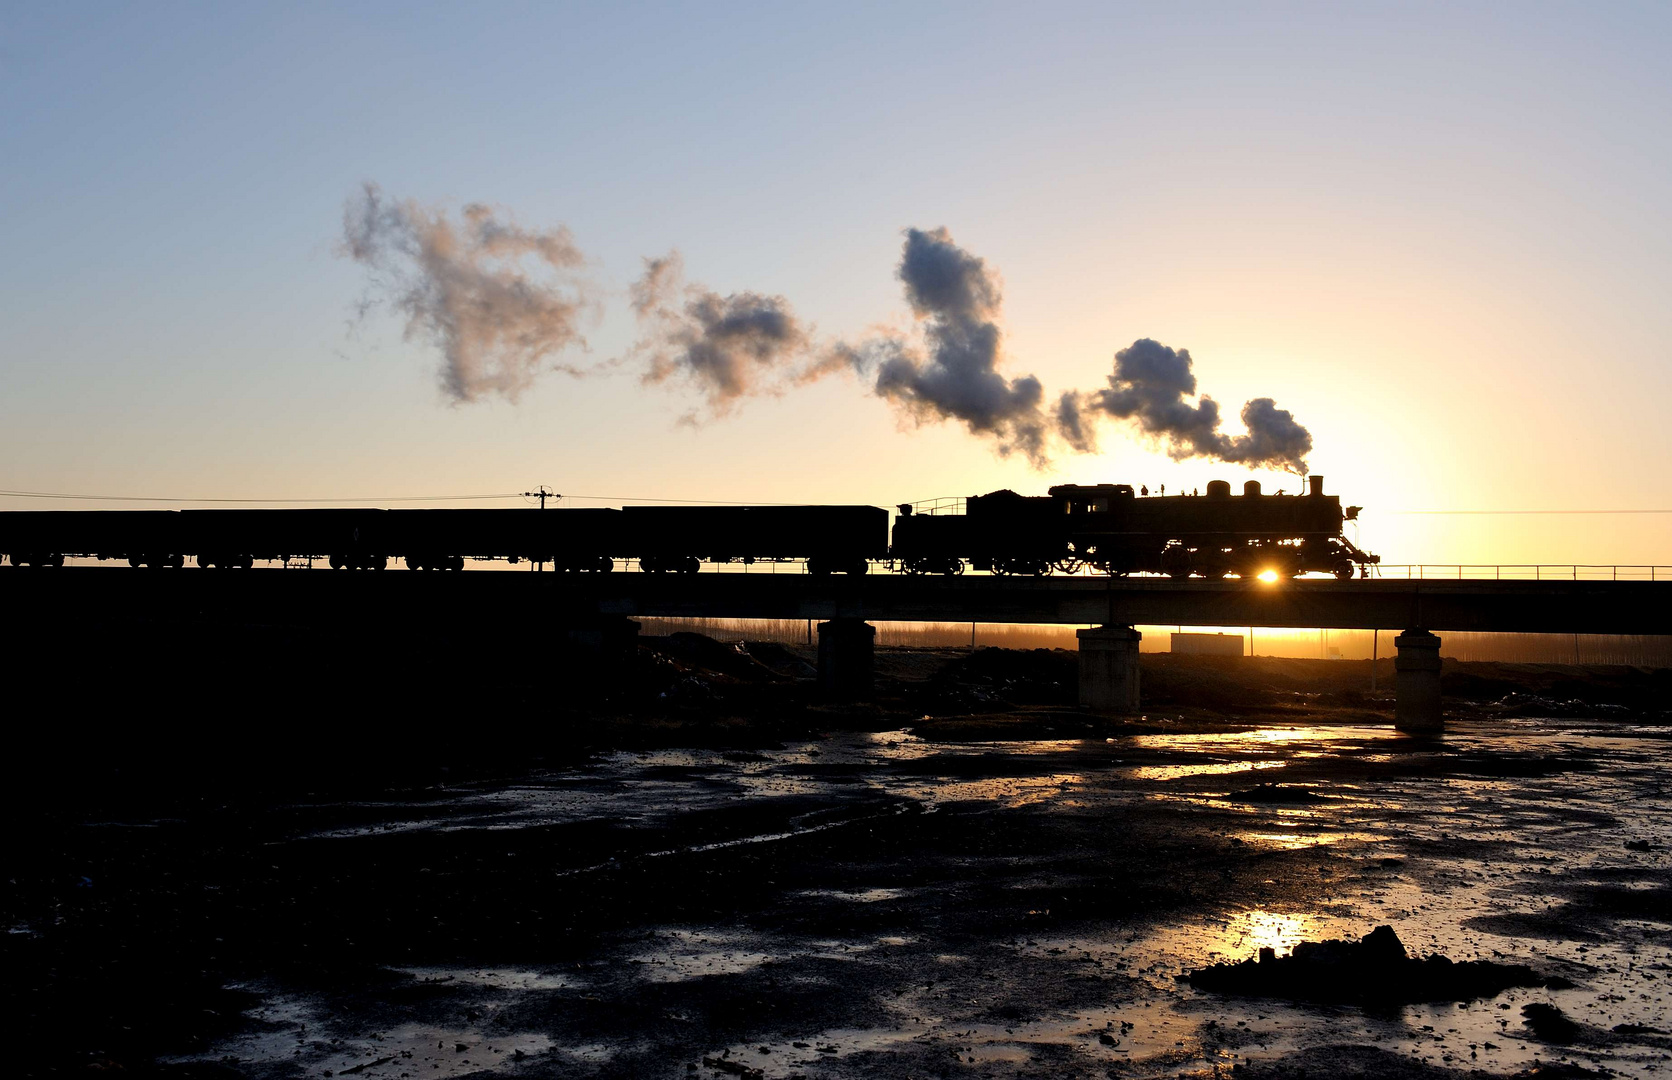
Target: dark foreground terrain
{"x":416,"y":865}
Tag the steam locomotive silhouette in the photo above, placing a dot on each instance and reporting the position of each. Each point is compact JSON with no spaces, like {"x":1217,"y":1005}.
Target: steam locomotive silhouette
{"x":1107,"y":527}
{"x":1112,"y":529}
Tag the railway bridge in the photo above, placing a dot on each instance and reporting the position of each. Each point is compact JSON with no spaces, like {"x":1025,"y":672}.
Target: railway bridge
{"x":596,"y":610}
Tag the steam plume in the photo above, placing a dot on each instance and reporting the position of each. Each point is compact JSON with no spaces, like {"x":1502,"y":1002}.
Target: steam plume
{"x":1076,"y":428}
{"x":1149,"y":386}
{"x":469,"y":288}
{"x":726,"y":346}
{"x":955,"y":296}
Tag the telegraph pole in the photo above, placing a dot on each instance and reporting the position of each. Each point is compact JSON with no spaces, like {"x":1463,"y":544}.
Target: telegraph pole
{"x":542,"y":493}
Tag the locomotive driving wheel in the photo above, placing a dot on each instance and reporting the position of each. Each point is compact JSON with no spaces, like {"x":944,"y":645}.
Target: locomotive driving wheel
{"x":1343,"y":569}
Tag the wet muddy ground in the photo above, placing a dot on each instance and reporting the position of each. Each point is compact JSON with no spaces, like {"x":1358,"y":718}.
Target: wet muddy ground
{"x":870,"y":904}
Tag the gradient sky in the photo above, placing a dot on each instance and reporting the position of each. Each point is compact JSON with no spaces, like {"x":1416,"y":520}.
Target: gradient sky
{"x":1439,"y":234}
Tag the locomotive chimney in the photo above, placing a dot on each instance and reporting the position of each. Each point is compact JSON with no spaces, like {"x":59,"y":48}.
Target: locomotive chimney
{"x":1317,"y":484}
{"x":1251,"y":489}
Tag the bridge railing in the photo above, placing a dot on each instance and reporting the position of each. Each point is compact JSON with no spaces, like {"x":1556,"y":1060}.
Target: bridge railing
{"x":1522,"y":572}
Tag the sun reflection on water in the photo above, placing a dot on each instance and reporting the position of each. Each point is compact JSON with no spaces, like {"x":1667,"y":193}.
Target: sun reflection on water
{"x":1250,"y":931}
{"x":1176,"y":772}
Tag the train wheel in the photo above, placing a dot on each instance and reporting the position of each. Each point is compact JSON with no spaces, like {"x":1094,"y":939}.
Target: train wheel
{"x":55,"y":560}
{"x":378,"y":562}
{"x":1343,"y":569}
{"x":338,"y":562}
{"x":456,"y":563}
{"x":605,"y":565}
{"x":133,"y":560}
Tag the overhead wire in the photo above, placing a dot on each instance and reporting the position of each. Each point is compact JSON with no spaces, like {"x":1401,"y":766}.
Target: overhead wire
{"x":84,"y":497}
{"x":1493,"y":512}
{"x":487,"y":497}
{"x":180,"y":499}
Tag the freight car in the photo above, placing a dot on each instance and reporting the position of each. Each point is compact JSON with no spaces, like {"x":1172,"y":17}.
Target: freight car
{"x":832,"y":539}
{"x":1110,"y":528}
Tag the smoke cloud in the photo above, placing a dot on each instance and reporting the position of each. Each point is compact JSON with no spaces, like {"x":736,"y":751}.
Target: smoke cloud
{"x":1076,"y":428}
{"x":726,"y":346}
{"x":499,"y":301}
{"x":956,"y":377}
{"x":1149,"y":386}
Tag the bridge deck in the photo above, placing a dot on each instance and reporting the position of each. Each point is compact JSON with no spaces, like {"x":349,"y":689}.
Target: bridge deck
{"x":1626,"y":607}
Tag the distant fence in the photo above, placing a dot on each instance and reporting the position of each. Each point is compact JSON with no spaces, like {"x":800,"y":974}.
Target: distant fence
{"x":1635,"y":650}
{"x":1521,"y":572}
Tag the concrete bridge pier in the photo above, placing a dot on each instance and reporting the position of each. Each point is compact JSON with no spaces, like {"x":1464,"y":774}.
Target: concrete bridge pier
{"x":1109,"y":669}
{"x":847,"y":659}
{"x":1416,"y":709}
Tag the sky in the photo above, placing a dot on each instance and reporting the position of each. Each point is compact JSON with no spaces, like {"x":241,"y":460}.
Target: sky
{"x":1438,"y":235}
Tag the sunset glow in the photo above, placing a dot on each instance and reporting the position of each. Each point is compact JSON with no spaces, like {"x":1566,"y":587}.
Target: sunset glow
{"x":1419,"y":269}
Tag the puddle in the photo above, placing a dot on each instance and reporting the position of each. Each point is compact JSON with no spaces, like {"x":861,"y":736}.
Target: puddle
{"x":497,"y":980}
{"x":1470,"y":849}
{"x":302,"y":1036}
{"x":1217,"y":768}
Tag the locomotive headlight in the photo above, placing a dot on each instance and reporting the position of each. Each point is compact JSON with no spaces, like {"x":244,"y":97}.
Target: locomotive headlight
{"x":1267,"y":576}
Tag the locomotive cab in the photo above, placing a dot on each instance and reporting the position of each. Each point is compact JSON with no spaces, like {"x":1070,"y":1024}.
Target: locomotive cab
{"x":1078,"y":499}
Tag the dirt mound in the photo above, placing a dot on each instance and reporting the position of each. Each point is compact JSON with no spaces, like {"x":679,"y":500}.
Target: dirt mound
{"x":1016,"y":676}
{"x":1518,"y":704}
{"x":700,"y":651}
{"x":781,"y":659}
{"x":1375,"y":969}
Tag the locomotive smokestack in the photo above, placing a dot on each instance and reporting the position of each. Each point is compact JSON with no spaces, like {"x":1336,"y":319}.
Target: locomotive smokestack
{"x":1317,"y":483}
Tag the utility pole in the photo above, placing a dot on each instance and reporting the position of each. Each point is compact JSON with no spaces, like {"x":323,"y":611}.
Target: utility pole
{"x":543,"y":493}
